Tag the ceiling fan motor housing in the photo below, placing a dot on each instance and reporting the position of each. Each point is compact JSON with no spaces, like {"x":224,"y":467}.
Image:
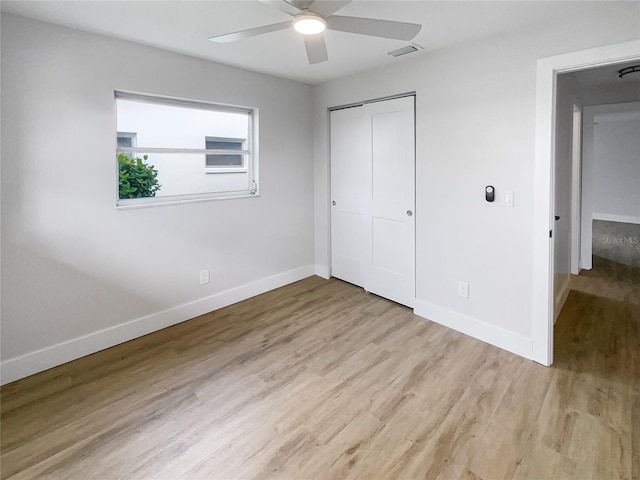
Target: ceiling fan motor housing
{"x":309,"y":23}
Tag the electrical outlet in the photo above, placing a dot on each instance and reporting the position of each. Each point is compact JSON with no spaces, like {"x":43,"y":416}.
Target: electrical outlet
{"x":463,"y":289}
{"x":204,"y":277}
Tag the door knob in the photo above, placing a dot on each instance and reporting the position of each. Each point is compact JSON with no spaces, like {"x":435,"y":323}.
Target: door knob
{"x":333,"y":202}
{"x":409,"y":213}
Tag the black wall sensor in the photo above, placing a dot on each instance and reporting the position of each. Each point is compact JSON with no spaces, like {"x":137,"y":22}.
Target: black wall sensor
{"x":489,"y":193}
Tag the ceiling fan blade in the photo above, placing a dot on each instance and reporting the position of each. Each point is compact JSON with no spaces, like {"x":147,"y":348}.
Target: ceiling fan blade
{"x":251,"y":32}
{"x":326,"y":8}
{"x":283,"y":6}
{"x":373,"y":27}
{"x":316,"y":48}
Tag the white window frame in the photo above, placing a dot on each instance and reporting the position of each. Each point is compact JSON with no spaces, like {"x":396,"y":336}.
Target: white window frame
{"x":250,"y":153}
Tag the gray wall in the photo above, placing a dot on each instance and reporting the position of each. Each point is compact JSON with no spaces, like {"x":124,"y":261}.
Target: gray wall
{"x":72,"y":264}
{"x":616,"y":168}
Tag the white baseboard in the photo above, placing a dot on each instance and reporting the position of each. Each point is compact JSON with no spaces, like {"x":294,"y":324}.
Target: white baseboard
{"x":609,"y":217}
{"x":496,"y":336}
{"x":323,"y":271}
{"x":564,"y":294}
{"x":40,"y":360}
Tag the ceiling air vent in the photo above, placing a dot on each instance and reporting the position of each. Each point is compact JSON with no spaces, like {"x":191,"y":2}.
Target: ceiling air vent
{"x":404,"y":50}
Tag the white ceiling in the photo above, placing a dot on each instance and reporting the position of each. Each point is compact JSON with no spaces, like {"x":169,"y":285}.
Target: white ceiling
{"x":608,"y":76}
{"x":185,"y":26}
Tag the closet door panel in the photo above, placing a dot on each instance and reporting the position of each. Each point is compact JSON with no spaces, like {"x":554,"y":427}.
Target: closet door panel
{"x":393,"y":199}
{"x":350,"y":195}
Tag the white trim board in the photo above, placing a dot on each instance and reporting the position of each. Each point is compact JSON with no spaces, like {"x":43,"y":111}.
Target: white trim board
{"x":40,"y":360}
{"x":496,"y":336}
{"x":323,"y":271}
{"x":542,"y":258}
{"x":610,"y":217}
{"x":576,"y":189}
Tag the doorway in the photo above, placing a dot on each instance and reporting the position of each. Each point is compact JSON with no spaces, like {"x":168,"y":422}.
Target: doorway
{"x":373,"y":197}
{"x":603,"y":183}
{"x":544,"y":215}
{"x":611,"y":176}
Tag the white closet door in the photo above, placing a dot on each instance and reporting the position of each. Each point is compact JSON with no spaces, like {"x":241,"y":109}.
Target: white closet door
{"x":350,"y":195}
{"x":373,"y":187}
{"x":392,"y":273}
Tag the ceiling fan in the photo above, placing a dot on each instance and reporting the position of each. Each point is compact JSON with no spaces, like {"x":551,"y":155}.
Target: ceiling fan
{"x":311,"y":18}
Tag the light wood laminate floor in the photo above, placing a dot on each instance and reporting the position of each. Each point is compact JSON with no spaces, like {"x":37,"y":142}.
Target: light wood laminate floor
{"x":320,"y":380}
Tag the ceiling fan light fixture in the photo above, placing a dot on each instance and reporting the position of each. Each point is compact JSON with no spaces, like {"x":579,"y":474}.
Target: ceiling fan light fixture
{"x":628,"y":70}
{"x":309,"y":24}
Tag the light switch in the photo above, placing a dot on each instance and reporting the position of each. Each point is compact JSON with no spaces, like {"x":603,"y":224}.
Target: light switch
{"x":508,"y":199}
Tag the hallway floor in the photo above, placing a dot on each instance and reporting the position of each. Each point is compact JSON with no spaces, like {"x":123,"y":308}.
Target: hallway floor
{"x":597,"y":343}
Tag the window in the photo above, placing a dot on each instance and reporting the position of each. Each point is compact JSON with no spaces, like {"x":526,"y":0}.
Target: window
{"x":161,"y":153}
{"x":127,"y":140}
{"x":225,"y":162}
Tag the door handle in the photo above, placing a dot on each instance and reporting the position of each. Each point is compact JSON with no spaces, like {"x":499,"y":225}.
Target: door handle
{"x":409,"y":213}
{"x":333,"y":202}
{"x":557,"y":218}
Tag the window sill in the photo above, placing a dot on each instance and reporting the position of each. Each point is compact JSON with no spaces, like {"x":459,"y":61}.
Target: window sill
{"x":135,"y":203}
